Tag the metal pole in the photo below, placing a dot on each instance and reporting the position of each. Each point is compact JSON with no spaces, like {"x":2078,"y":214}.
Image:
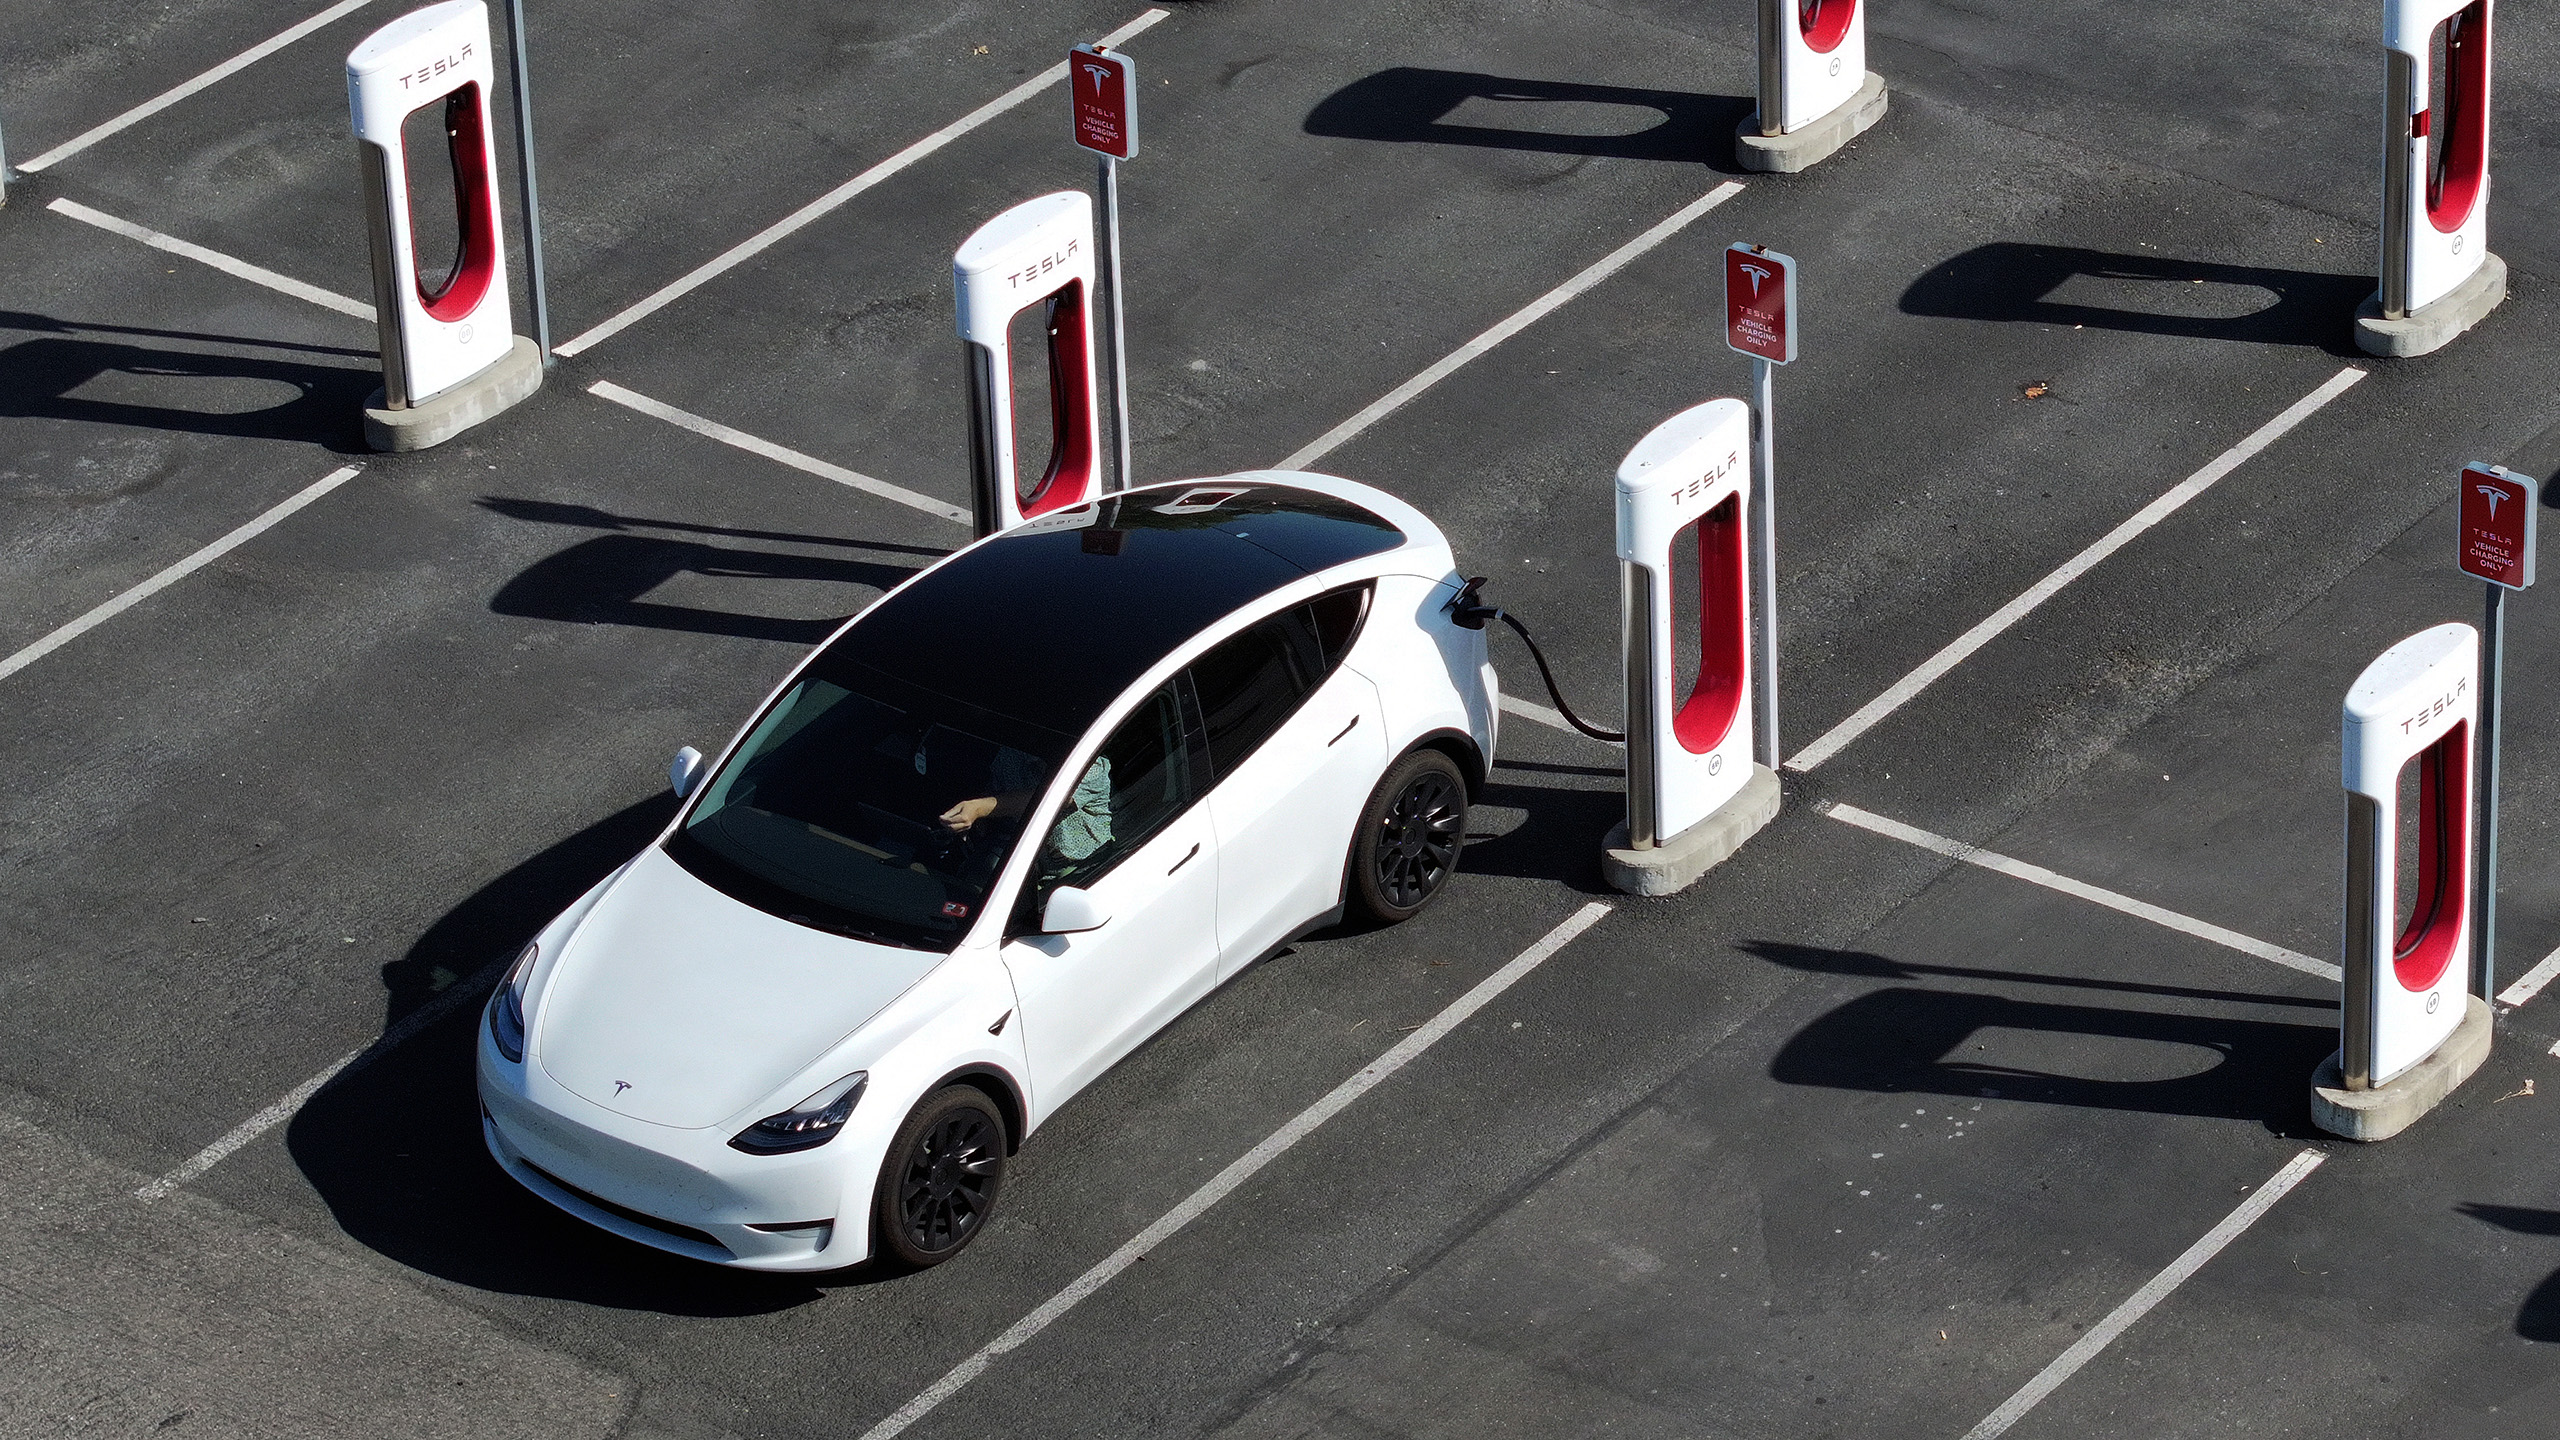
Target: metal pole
{"x":2484,"y":943}
{"x":4,"y":171}
{"x":540,"y":293}
{"x":1773,"y":66}
{"x":1644,"y":762}
{"x":2399,"y":152}
{"x":1117,"y":327}
{"x":1764,"y":568}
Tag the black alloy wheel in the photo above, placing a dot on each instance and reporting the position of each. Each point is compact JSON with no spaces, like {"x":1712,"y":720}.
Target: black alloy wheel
{"x":1409,"y":837}
{"x":943,"y":1172}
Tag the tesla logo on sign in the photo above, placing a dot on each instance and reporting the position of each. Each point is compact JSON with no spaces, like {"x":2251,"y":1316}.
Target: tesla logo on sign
{"x":1104,"y":94}
{"x":2498,"y":523}
{"x":1760,"y":303}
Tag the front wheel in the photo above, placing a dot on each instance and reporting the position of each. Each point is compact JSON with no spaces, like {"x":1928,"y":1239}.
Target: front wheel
{"x":939,"y":1183}
{"x":1409,"y":837}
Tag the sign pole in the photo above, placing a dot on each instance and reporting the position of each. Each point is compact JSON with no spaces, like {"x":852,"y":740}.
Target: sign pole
{"x":1760,"y":321}
{"x":538,"y":292}
{"x":1102,"y":89}
{"x":2499,"y":511}
{"x":1117,"y":329}
{"x":2484,"y":960}
{"x":1764,"y":550}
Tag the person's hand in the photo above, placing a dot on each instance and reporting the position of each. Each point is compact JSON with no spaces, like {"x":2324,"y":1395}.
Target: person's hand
{"x":960,"y":817}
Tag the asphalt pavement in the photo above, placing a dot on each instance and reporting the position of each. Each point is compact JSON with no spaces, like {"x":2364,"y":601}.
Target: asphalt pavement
{"x":1857,"y":1137}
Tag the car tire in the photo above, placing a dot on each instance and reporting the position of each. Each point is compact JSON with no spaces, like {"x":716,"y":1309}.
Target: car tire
{"x":1409,"y":837}
{"x":940,"y":1180}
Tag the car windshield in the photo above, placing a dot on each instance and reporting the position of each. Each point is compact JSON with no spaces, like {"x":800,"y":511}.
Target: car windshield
{"x":869,"y":807}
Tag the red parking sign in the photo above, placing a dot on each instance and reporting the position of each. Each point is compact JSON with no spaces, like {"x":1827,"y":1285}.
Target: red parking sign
{"x":1760,"y":303}
{"x":2498,"y":524}
{"x":1104,"y":85}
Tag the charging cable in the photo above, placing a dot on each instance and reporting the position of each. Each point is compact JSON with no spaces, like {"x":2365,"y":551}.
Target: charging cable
{"x":1471,"y":613}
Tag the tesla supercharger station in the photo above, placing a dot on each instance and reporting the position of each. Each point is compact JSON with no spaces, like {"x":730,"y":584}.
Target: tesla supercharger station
{"x":450,"y":354}
{"x":1816,"y":93}
{"x":2437,"y":275}
{"x":2409,"y":1030}
{"x":1037,"y":254}
{"x":1693,"y":793}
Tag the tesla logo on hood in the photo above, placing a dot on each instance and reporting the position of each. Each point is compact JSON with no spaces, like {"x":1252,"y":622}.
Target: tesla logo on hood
{"x":621,"y":1085}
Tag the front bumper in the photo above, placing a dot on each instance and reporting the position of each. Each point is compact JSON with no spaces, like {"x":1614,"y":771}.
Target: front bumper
{"x":684,"y":1192}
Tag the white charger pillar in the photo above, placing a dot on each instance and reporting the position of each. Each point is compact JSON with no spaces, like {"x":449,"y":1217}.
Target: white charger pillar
{"x":1039,"y":253}
{"x":2409,"y":1030}
{"x":1816,"y":93}
{"x":450,"y":354}
{"x":1693,"y":792}
{"x":2438,"y":278}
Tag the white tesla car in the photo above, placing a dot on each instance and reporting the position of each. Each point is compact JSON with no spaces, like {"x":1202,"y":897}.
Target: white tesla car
{"x":994,"y":833}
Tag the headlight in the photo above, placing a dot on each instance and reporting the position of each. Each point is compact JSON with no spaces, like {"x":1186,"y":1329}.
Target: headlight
{"x":805,"y":1126}
{"x":506,"y":1008}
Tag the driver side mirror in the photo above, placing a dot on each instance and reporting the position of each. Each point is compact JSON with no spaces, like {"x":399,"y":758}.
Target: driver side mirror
{"x":1070,"y":910}
{"x":686,"y":770}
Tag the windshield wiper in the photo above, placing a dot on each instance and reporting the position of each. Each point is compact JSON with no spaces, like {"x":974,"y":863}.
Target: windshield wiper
{"x":856,"y":932}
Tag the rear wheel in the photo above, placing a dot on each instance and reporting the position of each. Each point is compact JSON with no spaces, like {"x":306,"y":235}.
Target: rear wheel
{"x":939,"y":1183}
{"x":1409,"y":837}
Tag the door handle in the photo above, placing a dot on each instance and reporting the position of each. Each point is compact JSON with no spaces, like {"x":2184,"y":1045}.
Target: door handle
{"x":1347,"y":729}
{"x":1186,"y":859}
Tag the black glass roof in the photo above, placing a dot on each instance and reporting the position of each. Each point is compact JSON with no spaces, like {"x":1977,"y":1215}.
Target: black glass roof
{"x":1051,"y":621}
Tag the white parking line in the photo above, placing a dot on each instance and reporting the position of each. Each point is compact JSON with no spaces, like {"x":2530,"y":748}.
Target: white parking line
{"x":1535,"y":311}
{"x":2038,"y":875}
{"x":294,"y":1099}
{"x":2140,"y":1302}
{"x":1241,"y":1170}
{"x":781,"y":229}
{"x":1936,"y":666}
{"x":2530,"y":983}
{"x":175,"y":573}
{"x":713,"y":429}
{"x":163,"y":101}
{"x":1532,"y":710}
{"x":255,"y":274}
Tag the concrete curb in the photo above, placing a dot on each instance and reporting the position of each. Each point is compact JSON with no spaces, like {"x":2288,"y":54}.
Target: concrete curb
{"x":492,"y":391}
{"x":2386,"y":1110}
{"x":1676,"y":863}
{"x":1803,"y":149}
{"x":2432,"y":327}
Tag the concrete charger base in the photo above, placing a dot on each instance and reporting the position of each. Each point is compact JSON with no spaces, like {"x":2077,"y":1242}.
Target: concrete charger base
{"x":1676,"y":863}
{"x":2432,"y":327}
{"x":488,"y":393}
{"x":1819,"y":141}
{"x":2386,"y":1110}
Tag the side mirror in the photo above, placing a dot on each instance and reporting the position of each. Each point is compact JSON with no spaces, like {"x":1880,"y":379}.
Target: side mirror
{"x":1070,"y":910}
{"x":685,"y":771}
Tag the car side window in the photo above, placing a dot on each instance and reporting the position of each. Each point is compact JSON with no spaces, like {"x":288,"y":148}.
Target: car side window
{"x":1252,"y":683}
{"x":1337,"y":615}
{"x":1143,"y":776}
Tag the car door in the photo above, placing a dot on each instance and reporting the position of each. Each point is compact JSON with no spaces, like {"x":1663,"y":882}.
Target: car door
{"x":1133,"y":835}
{"x":1295,"y":744}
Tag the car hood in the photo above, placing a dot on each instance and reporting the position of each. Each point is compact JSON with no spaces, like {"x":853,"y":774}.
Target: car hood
{"x":677,"y":1005}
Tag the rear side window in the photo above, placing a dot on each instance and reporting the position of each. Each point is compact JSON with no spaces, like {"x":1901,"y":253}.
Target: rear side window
{"x":1337,"y":618}
{"x":1249,"y":686}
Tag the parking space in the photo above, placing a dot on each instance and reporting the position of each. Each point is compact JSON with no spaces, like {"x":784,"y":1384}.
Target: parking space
{"x":1853,"y":1138}
{"x":150,"y":410}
